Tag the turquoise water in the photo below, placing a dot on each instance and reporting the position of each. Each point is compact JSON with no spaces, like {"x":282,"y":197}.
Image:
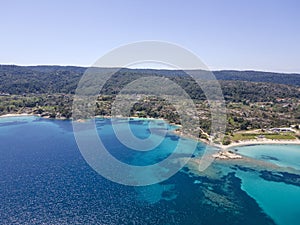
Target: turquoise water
{"x":45,"y":180}
{"x":278,"y":199}
{"x":282,"y":155}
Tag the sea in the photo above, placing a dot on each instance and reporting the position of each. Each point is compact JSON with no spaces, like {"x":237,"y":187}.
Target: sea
{"x":45,"y":179}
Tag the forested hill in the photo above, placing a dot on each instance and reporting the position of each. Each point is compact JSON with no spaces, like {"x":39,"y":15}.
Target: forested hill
{"x":64,"y":79}
{"x":257,"y":76}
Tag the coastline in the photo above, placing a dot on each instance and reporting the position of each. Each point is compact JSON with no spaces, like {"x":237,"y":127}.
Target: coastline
{"x":259,"y":142}
{"x":30,"y":114}
{"x":221,"y":147}
{"x":17,"y":115}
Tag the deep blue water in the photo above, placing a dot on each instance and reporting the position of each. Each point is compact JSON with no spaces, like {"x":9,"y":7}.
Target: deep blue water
{"x":45,"y":180}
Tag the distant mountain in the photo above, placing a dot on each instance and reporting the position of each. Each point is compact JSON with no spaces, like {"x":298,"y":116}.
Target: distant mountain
{"x":258,"y":76}
{"x":64,"y":79}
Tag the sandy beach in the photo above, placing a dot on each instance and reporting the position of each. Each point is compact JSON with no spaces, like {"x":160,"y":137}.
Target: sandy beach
{"x":15,"y":115}
{"x":259,"y":142}
{"x":223,"y":147}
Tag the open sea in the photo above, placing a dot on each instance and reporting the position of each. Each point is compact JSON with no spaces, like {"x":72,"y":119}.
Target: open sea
{"x":44,"y":179}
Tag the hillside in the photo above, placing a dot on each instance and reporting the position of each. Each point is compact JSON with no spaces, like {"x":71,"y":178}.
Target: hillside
{"x":64,"y":79}
{"x":253,"y":99}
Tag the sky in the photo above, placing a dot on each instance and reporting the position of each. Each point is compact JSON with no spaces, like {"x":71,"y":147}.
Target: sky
{"x":225,"y":34}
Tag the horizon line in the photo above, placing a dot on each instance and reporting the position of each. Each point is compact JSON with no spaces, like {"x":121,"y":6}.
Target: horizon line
{"x":149,"y":68}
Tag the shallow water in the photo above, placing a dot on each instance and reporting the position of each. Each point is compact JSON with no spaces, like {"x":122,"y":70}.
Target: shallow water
{"x":45,"y":180}
{"x":282,"y":155}
{"x":278,"y":199}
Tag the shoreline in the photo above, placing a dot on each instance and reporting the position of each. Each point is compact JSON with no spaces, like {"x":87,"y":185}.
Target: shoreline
{"x":17,"y":115}
{"x":221,"y":147}
{"x":31,"y":114}
{"x":259,"y":142}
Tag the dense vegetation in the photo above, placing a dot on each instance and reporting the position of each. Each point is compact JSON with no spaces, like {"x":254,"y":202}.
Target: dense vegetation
{"x":253,"y":99}
{"x":64,"y":79}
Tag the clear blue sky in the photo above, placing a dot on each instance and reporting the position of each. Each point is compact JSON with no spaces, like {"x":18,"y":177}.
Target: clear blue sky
{"x":225,"y":34}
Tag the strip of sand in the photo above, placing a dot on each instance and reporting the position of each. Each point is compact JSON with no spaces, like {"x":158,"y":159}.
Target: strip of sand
{"x":15,"y":115}
{"x":260,"y":142}
{"x":223,"y":147}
